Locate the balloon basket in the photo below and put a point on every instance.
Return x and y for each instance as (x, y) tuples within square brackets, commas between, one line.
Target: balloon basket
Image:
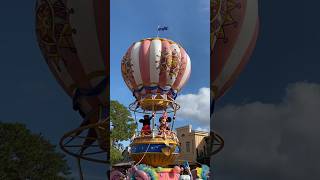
[(156, 149), (75, 142), (155, 103)]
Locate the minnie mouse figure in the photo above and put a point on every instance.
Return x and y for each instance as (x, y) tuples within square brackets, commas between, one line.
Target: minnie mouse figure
[(146, 129), (164, 122)]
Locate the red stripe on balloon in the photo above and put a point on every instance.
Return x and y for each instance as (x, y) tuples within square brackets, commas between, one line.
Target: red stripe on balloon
[(144, 62)]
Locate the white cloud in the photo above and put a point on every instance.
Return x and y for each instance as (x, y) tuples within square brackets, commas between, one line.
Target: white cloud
[(202, 129), (275, 141), (195, 107)]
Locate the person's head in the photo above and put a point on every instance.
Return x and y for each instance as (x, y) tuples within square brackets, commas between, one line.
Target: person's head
[(146, 116), (182, 169)]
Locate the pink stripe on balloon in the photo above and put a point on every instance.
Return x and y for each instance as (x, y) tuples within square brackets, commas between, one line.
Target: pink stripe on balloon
[(163, 71), (182, 69), (144, 62)]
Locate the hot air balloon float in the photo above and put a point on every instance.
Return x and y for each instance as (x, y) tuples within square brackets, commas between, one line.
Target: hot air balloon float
[(72, 37), (234, 31), (155, 70)]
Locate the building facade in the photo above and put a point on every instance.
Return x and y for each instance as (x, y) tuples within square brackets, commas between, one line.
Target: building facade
[(193, 143)]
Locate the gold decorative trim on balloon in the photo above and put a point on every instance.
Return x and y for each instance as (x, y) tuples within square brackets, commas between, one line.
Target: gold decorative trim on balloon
[(154, 103), (155, 140), (155, 159)]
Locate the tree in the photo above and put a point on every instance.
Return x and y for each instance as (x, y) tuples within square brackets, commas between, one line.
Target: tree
[(123, 127), (24, 155)]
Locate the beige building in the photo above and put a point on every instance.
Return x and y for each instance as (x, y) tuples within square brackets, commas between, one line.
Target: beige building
[(192, 143)]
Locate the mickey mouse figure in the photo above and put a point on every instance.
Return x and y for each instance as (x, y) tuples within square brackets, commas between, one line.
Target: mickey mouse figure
[(146, 129)]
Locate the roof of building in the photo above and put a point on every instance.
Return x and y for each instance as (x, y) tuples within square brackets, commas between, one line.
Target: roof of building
[(189, 126)]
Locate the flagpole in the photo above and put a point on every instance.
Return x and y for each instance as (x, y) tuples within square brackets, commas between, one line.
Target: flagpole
[(158, 31)]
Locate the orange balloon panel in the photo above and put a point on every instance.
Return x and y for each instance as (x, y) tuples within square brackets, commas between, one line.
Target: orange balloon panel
[(72, 38), (234, 43)]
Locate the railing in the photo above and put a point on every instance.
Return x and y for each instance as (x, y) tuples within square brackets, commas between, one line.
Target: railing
[(167, 134)]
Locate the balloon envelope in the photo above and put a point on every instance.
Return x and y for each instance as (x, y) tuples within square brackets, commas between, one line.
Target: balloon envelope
[(155, 66), (234, 44)]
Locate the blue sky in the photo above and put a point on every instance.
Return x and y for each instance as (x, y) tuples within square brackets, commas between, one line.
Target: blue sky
[(189, 25)]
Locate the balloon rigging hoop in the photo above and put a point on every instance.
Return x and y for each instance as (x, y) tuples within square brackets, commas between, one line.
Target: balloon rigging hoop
[(154, 105), (72, 143), (216, 143)]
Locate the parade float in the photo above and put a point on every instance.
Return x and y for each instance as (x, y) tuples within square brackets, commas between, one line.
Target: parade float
[(155, 70)]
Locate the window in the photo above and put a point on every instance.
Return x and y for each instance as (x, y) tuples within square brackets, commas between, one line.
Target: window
[(188, 146)]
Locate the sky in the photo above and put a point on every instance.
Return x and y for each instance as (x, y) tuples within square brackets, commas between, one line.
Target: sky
[(269, 118)]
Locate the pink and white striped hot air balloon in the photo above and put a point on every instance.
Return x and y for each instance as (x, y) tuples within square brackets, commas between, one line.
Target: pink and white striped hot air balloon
[(72, 35), (234, 44), (155, 68)]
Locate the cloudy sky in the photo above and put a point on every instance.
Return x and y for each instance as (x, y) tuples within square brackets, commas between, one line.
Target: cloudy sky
[(269, 119)]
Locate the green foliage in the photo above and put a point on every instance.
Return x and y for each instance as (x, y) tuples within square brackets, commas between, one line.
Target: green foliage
[(116, 155), (123, 126), (24, 155)]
